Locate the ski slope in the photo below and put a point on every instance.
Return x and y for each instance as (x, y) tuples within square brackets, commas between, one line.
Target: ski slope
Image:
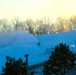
[(17, 44)]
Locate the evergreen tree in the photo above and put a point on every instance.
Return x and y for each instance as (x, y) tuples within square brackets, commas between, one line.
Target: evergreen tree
[(14, 67), (60, 61)]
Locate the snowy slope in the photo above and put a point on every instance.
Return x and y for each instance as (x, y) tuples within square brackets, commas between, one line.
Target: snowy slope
[(36, 55), (17, 44), (20, 43), (52, 40), (17, 38)]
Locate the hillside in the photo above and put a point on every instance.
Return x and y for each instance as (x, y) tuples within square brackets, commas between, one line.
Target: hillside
[(52, 40), (17, 38), (17, 44)]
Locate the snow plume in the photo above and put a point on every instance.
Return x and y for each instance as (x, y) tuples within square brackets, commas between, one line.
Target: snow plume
[(17, 38)]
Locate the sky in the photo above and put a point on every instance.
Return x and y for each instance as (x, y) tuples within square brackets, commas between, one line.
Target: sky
[(37, 9)]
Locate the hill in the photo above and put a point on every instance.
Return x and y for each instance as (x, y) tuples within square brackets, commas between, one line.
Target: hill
[(52, 40), (17, 38), (17, 44)]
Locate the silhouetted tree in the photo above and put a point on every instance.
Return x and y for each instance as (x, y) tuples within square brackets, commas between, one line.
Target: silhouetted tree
[(14, 67), (60, 61)]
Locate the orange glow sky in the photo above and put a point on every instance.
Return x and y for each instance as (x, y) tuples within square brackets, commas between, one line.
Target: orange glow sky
[(36, 8)]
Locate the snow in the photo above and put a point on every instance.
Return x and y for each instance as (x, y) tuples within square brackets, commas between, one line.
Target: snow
[(52, 40), (17, 44), (35, 54), (17, 38), (24, 43)]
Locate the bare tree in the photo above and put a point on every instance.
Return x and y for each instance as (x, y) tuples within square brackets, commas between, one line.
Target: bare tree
[(73, 21)]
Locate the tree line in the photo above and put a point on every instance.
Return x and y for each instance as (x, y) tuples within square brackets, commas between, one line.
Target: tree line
[(39, 26)]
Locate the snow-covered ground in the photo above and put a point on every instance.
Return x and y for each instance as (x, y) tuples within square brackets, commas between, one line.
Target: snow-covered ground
[(17, 38), (52, 40), (17, 44)]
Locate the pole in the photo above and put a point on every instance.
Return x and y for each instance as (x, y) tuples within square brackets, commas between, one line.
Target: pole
[(26, 63)]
